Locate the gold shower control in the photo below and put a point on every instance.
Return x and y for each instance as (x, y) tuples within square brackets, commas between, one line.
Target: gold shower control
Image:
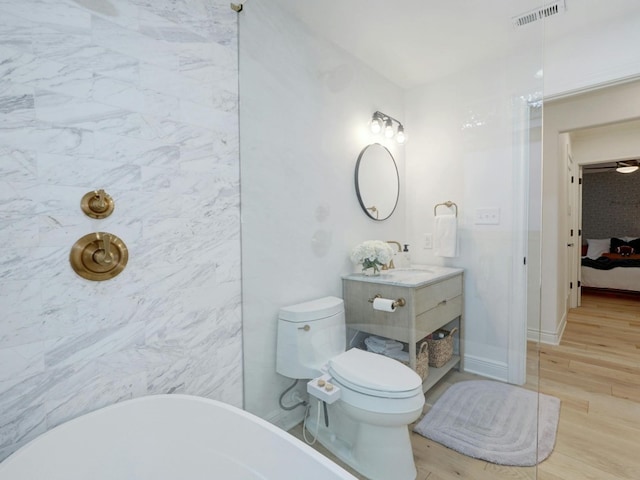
[(97, 204), (99, 256)]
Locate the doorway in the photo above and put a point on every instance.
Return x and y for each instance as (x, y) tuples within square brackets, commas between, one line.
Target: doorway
[(600, 203), (602, 125)]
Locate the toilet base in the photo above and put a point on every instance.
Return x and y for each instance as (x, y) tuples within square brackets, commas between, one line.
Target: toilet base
[(377, 452)]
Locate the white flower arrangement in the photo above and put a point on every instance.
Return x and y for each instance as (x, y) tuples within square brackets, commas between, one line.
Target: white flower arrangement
[(372, 254)]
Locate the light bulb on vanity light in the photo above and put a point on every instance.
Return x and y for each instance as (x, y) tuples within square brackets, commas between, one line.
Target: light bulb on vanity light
[(400, 138), (388, 129), (376, 124)]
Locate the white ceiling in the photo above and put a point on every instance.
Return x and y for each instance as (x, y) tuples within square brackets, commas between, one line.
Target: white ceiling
[(412, 42)]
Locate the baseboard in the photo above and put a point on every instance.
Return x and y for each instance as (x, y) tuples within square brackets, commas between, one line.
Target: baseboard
[(550, 338), (486, 368), (286, 420)]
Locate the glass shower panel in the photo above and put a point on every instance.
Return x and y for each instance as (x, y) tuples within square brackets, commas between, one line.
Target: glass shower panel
[(473, 138), (304, 110)]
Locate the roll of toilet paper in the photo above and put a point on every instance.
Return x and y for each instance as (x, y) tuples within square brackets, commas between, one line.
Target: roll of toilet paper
[(383, 304)]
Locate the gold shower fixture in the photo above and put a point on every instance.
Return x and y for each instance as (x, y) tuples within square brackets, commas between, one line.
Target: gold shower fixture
[(97, 204), (99, 256)]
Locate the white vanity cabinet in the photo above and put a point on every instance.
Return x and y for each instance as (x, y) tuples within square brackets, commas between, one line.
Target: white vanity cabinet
[(433, 299)]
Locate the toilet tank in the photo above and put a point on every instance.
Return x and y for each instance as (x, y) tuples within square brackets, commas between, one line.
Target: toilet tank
[(309, 334)]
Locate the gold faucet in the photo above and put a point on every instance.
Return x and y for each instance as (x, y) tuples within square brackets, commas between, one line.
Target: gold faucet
[(391, 265)]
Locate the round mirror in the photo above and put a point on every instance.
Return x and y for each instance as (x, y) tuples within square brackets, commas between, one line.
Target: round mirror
[(377, 181)]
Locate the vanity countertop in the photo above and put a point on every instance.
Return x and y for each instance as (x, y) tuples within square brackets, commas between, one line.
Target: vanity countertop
[(414, 276)]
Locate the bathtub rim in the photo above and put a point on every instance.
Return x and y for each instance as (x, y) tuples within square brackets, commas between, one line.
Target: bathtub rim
[(295, 442)]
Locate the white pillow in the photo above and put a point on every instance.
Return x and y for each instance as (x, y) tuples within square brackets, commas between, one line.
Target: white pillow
[(597, 247)]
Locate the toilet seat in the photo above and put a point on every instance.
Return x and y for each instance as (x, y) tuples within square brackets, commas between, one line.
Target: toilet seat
[(375, 375)]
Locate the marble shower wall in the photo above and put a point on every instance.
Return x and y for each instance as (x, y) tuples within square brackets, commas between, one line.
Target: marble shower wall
[(138, 97)]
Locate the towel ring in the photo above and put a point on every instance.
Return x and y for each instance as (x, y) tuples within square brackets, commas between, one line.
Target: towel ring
[(448, 204)]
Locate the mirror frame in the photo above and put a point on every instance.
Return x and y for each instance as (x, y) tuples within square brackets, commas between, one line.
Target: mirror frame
[(358, 193)]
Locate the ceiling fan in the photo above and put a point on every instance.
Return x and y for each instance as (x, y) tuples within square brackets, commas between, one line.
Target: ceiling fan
[(626, 166)]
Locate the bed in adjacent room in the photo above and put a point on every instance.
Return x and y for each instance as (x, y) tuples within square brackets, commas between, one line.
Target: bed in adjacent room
[(612, 263)]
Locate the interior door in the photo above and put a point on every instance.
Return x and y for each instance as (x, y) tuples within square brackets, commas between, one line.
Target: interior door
[(578, 255), (572, 232)]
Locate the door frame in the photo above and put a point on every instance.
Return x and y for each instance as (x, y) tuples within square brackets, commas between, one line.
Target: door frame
[(518, 301)]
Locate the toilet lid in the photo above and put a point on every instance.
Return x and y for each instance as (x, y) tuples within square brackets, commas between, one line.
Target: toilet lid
[(374, 374)]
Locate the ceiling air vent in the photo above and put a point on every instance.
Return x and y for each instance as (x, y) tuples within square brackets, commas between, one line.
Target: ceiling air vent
[(539, 13)]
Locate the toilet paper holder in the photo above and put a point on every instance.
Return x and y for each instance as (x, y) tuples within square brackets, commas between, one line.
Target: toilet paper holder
[(400, 302)]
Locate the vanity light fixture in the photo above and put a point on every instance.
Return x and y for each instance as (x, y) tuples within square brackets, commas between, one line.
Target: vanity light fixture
[(379, 119), (627, 167)]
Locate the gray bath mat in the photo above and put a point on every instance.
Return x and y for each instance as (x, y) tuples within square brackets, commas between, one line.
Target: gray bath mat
[(494, 421)]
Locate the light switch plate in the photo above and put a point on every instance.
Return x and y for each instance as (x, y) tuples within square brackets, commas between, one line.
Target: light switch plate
[(487, 216), (428, 241)]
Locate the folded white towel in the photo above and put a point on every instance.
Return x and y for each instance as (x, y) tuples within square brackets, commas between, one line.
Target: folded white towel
[(395, 353), (383, 342), (446, 236), (384, 350)]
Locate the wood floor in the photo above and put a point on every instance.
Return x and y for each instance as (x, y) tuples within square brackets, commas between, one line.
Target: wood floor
[(595, 371)]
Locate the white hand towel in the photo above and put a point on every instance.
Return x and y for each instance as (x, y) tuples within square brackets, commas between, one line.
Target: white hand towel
[(446, 236)]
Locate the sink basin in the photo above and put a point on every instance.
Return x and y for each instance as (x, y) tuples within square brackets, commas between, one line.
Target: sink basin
[(410, 269), (412, 276)]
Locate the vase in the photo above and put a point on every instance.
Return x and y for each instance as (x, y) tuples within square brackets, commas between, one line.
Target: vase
[(371, 272)]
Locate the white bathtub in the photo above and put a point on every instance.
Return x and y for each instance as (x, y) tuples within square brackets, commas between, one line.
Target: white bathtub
[(166, 437)]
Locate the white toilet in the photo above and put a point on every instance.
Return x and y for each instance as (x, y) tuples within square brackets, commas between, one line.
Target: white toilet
[(378, 397)]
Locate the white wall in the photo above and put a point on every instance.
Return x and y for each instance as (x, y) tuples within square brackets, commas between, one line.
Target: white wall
[(620, 141), (304, 109), (597, 54), (138, 98)]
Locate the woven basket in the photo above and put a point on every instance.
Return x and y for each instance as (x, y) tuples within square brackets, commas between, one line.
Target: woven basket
[(422, 361), (440, 349)]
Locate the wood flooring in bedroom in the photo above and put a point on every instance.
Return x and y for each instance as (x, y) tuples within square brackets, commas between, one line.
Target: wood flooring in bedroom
[(595, 371)]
